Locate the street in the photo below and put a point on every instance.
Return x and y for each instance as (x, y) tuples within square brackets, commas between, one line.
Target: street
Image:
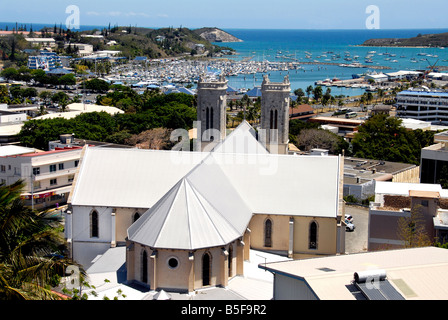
[(356, 241)]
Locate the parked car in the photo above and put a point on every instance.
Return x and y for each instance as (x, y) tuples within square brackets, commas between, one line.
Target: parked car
[(349, 226), (349, 218)]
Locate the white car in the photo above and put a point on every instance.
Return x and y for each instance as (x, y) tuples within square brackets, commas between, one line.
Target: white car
[(349, 218), (349, 226)]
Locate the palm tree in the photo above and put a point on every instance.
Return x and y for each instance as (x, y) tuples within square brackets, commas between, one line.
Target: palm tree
[(30, 249)]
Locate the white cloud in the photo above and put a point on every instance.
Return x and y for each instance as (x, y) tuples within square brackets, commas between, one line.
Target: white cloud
[(162, 15), (114, 13)]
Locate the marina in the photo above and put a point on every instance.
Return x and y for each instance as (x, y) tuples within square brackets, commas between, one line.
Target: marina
[(278, 53)]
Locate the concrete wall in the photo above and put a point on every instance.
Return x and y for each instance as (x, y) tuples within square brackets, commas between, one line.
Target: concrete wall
[(85, 247), (187, 276), (297, 243)]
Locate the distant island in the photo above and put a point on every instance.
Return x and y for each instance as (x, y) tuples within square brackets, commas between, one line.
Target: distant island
[(421, 40), (216, 35)]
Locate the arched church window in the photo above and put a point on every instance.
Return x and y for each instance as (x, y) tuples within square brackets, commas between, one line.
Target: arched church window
[(94, 224), (313, 235), (135, 217), (268, 233)]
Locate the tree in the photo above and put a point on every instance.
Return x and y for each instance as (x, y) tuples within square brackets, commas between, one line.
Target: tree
[(317, 92), (155, 139), (384, 138), (412, 231), (323, 139), (10, 73), (300, 94), (31, 249), (309, 90)]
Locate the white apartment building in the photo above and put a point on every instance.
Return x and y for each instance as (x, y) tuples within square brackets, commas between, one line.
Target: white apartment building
[(48, 174), (423, 105)]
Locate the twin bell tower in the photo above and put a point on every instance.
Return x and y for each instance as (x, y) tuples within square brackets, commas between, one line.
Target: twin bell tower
[(274, 121)]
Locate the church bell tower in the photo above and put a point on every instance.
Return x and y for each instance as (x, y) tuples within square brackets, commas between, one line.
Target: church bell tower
[(275, 99), (211, 110)]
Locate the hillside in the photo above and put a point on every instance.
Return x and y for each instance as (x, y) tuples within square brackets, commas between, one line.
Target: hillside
[(152, 43), (216, 35), (421, 40)]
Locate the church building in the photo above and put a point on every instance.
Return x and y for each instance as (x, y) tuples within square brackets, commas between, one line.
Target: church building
[(189, 219)]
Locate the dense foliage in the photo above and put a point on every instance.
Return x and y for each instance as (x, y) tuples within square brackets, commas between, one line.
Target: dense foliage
[(31, 248), (384, 138), (170, 111)]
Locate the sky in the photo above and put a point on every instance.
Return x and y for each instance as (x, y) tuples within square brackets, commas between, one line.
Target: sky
[(236, 14)]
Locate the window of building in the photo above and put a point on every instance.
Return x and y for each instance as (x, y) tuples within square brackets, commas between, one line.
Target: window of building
[(173, 263), (36, 171), (76, 163), (425, 203), (268, 233), (53, 182), (2, 168), (135, 217), (52, 167), (61, 166), (313, 235), (71, 178), (94, 224)]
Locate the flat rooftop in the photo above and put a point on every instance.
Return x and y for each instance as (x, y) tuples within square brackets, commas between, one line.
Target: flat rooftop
[(416, 273)]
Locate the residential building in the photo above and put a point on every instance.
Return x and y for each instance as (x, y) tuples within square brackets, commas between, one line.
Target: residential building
[(19, 109), (43, 42), (48, 175), (8, 117), (405, 274), (45, 60), (395, 201), (83, 49), (423, 105), (301, 112)]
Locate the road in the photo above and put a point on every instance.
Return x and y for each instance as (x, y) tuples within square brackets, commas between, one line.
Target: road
[(356, 241)]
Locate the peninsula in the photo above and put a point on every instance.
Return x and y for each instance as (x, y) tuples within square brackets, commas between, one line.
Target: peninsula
[(216, 35), (421, 40)]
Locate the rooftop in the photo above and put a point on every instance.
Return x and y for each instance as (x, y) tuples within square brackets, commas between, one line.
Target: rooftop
[(12, 150), (416, 273)]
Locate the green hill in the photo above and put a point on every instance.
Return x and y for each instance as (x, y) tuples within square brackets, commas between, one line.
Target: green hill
[(421, 40)]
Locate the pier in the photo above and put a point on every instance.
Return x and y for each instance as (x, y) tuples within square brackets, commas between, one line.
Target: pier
[(352, 65)]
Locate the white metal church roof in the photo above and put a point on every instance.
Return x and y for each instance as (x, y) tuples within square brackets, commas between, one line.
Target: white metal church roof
[(196, 213), (200, 199)]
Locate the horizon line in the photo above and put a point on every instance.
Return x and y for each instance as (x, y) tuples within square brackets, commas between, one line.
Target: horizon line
[(234, 28)]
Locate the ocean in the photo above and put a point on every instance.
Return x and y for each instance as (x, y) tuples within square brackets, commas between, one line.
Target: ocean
[(325, 46)]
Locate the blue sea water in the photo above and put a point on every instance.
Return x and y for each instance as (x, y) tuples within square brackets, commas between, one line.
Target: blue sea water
[(271, 44)]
